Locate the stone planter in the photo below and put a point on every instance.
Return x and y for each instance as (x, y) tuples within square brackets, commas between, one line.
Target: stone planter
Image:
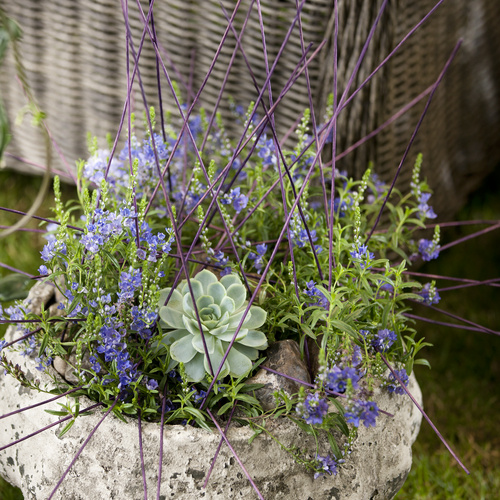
[(109, 466)]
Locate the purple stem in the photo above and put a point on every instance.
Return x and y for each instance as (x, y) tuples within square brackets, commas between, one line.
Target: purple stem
[(60, 173), (403, 386), (11, 210), (391, 54), (24, 337), (443, 323), (492, 282), (459, 318), (60, 421), (254, 486), (141, 453), (162, 424), (330, 217), (392, 119), (89, 437), (26, 229), (471, 236), (412, 138), (18, 271), (212, 464), (20, 410)]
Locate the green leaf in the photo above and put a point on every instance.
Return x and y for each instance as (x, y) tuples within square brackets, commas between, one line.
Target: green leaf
[(334, 446), (256, 318), (423, 362), (225, 408), (303, 425), (66, 428)]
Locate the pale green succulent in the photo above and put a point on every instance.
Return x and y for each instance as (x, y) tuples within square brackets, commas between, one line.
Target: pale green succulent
[(220, 306)]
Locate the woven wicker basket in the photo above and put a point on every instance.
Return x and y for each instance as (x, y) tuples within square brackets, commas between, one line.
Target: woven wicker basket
[(74, 53)]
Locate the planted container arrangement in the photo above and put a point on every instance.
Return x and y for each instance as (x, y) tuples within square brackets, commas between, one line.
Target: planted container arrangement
[(220, 317)]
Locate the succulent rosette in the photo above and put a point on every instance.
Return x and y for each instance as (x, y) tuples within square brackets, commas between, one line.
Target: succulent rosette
[(220, 306)]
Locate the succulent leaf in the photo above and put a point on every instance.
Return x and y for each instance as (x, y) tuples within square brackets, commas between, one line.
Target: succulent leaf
[(218, 307)]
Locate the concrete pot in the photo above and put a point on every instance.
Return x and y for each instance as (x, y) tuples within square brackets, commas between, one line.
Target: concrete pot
[(109, 466)]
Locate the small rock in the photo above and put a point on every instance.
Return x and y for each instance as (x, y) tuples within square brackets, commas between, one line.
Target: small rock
[(284, 357), (59, 365)]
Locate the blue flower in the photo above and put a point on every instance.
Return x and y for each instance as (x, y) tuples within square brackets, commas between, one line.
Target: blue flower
[(266, 150), (258, 258), (424, 210), (3, 343), (48, 251), (384, 340), (94, 364), (393, 384), (336, 378), (199, 396), (313, 409), (327, 465), (313, 292), (366, 411), (43, 362), (429, 294), (152, 384), (43, 270), (129, 283), (428, 249), (362, 255)]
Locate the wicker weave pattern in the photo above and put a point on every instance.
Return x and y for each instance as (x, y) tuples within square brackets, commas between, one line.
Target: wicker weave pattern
[(74, 52)]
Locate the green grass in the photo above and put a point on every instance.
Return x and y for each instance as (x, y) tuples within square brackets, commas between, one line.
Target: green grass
[(460, 391)]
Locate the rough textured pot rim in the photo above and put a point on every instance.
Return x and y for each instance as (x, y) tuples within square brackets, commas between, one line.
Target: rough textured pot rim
[(109, 466)]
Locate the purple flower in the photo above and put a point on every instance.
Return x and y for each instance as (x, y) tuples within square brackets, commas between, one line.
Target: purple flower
[(152, 384), (336, 378), (313, 409), (258, 257), (129, 283), (94, 364), (3, 343), (313, 292), (394, 385), (429, 294), (428, 249), (43, 270), (366, 411), (199, 396), (266, 150), (424, 210), (384, 340), (362, 255), (48, 251), (327, 465)]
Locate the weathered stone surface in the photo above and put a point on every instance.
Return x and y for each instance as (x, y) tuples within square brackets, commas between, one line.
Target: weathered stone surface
[(284, 357), (109, 467)]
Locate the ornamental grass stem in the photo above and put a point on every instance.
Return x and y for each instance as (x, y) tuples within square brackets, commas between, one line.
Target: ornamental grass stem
[(162, 424), (463, 320), (254, 486), (217, 451), (434, 428), (141, 453), (414, 133), (36, 405), (89, 437), (60, 421), (451, 325)]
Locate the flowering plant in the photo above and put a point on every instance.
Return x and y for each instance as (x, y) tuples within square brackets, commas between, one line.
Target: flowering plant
[(134, 337)]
